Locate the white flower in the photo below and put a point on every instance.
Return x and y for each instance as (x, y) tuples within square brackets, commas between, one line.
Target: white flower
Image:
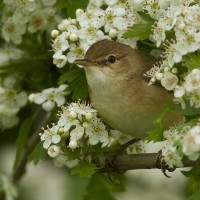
[(97, 132), (171, 156), (90, 33), (50, 96), (37, 21), (7, 119), (75, 52), (21, 5), (195, 99), (60, 61), (73, 144), (54, 33), (60, 44), (90, 17), (67, 122), (13, 30), (76, 133), (81, 108), (187, 40), (190, 140), (170, 134), (169, 81), (53, 151), (158, 33), (92, 4), (9, 54), (8, 188), (192, 80), (137, 147), (120, 137), (172, 54), (110, 2), (113, 33), (50, 135), (179, 91), (12, 97)]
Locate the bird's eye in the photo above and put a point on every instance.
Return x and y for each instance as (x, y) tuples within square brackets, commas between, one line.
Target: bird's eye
[(111, 59)]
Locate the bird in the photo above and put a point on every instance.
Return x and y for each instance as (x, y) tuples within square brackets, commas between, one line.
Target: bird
[(119, 91)]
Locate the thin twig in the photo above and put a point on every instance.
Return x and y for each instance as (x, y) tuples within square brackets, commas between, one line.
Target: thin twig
[(30, 145)]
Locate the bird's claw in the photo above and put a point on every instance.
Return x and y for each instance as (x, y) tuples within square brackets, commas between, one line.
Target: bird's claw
[(161, 164)]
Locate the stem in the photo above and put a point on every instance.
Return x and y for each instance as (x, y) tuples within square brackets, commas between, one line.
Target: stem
[(29, 147), (121, 163)]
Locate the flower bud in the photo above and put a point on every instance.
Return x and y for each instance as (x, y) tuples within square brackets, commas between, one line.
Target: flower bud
[(53, 151), (174, 70), (54, 34), (89, 116), (73, 144), (113, 33), (73, 114), (73, 37), (159, 76)]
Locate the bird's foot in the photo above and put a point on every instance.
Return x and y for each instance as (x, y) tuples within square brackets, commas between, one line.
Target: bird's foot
[(161, 164), (110, 165)]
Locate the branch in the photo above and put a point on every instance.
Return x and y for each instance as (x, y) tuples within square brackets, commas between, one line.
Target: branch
[(29, 147), (121, 163)]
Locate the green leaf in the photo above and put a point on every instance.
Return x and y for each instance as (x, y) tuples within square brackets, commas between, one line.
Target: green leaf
[(194, 181), (84, 169), (72, 154), (71, 6), (142, 30), (77, 83), (79, 88), (36, 154), (100, 187), (23, 134), (195, 196), (69, 76), (193, 61), (146, 18), (189, 111), (157, 133)]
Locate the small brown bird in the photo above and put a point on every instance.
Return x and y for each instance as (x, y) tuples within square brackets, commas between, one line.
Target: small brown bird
[(119, 90)]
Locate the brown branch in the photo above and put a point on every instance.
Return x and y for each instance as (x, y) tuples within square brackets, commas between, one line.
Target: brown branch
[(121, 163), (29, 147)]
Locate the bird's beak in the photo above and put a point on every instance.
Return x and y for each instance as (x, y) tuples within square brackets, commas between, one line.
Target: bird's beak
[(84, 62)]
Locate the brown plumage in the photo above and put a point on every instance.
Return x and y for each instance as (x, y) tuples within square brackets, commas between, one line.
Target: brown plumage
[(119, 91)]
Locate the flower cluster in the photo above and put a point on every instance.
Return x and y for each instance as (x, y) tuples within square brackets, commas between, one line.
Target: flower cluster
[(182, 142), (9, 54), (8, 187), (31, 15), (181, 18), (189, 90), (165, 75), (102, 19), (78, 129), (50, 97), (12, 99)]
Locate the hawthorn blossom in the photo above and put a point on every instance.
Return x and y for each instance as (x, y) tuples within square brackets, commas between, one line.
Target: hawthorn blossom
[(50, 97)]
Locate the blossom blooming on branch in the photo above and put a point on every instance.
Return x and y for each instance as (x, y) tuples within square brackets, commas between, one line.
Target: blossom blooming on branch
[(31, 15), (78, 129), (189, 90), (12, 99), (50, 97), (101, 20)]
